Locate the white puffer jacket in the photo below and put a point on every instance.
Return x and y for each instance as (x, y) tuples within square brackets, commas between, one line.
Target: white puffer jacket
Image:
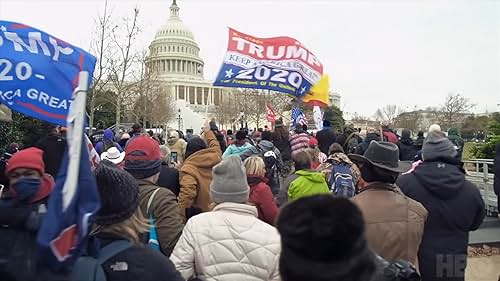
[(230, 243)]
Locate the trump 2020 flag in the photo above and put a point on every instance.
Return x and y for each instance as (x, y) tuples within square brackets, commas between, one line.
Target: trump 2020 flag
[(75, 200), (281, 64), (38, 72)]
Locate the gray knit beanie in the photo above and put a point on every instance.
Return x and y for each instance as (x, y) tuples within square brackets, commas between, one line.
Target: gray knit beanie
[(229, 183), (438, 147)]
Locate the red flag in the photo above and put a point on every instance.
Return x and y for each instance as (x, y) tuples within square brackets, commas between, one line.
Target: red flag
[(271, 116)]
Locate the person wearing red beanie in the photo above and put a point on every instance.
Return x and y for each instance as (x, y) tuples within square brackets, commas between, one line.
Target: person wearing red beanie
[(22, 211), (27, 177)]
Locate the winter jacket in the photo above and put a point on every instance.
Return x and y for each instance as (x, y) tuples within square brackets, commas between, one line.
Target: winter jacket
[(340, 158), (178, 146), (325, 138), (230, 243), (53, 147), (164, 212), (169, 178), (262, 197), (298, 143), (362, 147), (139, 262), (454, 137), (407, 149), (234, 149), (283, 145), (306, 184), (394, 222), (262, 147), (390, 136), (455, 207), (107, 142), (196, 176)]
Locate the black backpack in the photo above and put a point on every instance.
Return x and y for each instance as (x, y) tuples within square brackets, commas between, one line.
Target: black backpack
[(270, 161)]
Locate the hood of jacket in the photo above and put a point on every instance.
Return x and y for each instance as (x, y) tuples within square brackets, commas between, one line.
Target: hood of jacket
[(441, 179), (311, 175), (407, 141), (266, 145), (453, 132), (370, 137), (205, 158), (254, 180), (108, 135)]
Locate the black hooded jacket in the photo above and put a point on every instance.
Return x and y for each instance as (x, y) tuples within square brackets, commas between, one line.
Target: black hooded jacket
[(407, 149), (325, 138), (361, 148), (455, 207)]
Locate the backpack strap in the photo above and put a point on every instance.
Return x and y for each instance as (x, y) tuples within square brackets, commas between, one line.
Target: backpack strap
[(112, 249), (151, 200)]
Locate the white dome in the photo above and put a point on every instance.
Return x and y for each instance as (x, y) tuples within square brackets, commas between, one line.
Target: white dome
[(174, 52), (174, 28)]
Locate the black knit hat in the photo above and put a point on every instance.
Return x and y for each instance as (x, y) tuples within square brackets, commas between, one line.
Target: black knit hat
[(323, 239), (119, 194), (194, 145)]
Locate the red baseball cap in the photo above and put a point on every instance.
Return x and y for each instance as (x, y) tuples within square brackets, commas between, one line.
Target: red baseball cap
[(142, 148), (313, 142)]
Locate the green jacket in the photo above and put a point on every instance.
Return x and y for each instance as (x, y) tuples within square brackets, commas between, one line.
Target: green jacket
[(306, 184)]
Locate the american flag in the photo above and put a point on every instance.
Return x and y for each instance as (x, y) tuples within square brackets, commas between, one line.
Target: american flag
[(298, 117)]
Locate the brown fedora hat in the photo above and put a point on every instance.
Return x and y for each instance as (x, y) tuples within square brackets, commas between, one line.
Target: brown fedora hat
[(384, 155)]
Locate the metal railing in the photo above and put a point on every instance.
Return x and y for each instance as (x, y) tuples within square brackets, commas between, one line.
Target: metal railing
[(478, 173)]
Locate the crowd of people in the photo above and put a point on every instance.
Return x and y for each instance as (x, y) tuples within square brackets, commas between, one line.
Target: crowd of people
[(340, 204)]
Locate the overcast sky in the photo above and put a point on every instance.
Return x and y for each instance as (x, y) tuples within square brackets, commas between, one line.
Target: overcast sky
[(411, 53)]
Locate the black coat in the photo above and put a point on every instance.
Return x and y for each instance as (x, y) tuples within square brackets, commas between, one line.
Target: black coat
[(283, 145), (143, 263), (361, 148), (169, 178), (407, 150), (325, 138), (455, 207), (53, 147)]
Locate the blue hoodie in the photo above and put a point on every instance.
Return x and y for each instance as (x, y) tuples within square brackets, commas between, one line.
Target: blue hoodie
[(107, 140)]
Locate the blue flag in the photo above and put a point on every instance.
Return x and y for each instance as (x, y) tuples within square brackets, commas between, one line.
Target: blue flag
[(298, 117), (38, 72), (71, 209)]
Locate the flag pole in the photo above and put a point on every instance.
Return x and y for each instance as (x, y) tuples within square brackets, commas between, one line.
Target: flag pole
[(75, 124)]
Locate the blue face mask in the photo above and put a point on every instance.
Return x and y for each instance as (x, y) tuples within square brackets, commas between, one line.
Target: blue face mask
[(26, 188)]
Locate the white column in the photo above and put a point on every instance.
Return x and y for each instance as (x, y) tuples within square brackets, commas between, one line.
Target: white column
[(195, 95), (203, 96), (210, 96), (184, 90)]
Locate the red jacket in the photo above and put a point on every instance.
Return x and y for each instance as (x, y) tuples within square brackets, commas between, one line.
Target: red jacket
[(262, 197)]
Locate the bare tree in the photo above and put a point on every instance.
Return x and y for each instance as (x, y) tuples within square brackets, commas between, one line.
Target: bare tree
[(122, 64), (454, 110), (100, 48), (409, 120), (387, 114), (153, 101)]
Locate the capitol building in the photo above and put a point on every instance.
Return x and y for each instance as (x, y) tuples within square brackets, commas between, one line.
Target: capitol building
[(174, 57)]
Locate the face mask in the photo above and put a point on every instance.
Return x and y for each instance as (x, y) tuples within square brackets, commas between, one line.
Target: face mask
[(26, 188)]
